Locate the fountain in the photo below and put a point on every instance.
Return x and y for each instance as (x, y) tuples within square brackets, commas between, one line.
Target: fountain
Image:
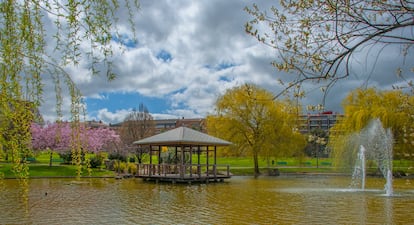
[(358, 176), (376, 145)]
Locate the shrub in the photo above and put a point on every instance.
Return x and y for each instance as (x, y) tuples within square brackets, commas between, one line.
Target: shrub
[(67, 157), (95, 162), (117, 156), (120, 166), (132, 168)]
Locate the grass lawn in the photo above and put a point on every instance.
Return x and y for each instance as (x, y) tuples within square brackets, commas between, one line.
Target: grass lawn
[(43, 170), (238, 166)]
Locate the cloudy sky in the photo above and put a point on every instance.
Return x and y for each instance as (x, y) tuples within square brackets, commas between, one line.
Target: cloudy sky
[(187, 54)]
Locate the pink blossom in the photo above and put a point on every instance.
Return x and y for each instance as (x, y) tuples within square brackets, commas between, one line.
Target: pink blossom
[(59, 137)]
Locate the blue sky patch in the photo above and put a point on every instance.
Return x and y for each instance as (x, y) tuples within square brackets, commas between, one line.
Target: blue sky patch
[(125, 40), (164, 56), (226, 79), (221, 66), (119, 101)]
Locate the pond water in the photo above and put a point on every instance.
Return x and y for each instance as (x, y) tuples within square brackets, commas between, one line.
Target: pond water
[(239, 200)]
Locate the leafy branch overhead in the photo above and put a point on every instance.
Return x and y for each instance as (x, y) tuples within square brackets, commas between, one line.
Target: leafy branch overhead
[(320, 40)]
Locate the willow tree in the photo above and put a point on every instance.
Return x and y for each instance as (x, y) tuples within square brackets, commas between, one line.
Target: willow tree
[(41, 40), (317, 40), (261, 127), (393, 108)]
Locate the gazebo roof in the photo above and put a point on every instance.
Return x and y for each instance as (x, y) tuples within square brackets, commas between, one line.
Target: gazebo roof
[(183, 136)]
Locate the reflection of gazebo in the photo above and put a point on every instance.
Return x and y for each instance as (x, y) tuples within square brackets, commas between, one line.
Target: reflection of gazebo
[(172, 155)]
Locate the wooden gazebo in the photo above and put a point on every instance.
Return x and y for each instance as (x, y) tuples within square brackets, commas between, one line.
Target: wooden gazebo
[(175, 156)]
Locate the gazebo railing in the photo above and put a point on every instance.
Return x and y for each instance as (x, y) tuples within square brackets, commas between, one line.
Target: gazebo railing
[(185, 170)]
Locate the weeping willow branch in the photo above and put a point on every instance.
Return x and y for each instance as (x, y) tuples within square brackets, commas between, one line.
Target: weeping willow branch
[(26, 60)]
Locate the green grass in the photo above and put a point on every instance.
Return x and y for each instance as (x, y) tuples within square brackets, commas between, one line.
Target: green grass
[(289, 162), (44, 157), (238, 166), (42, 170)]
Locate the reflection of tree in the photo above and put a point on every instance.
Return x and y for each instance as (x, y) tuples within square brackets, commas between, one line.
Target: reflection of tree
[(136, 126)]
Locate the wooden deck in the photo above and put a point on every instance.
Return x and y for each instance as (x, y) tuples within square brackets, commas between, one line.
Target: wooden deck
[(194, 173)]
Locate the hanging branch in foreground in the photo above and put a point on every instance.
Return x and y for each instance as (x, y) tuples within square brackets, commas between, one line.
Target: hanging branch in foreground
[(41, 39)]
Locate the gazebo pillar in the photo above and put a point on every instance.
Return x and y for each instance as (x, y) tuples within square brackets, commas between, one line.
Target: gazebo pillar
[(182, 165), (176, 170), (207, 161), (198, 160), (159, 159), (150, 165), (191, 161), (215, 155)]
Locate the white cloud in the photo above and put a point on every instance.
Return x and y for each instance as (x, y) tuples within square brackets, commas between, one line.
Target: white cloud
[(199, 36), (105, 115)]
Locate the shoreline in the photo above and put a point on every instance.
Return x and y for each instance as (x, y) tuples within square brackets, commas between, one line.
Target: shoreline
[(283, 174)]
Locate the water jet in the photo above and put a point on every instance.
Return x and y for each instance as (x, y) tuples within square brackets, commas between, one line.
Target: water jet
[(375, 144)]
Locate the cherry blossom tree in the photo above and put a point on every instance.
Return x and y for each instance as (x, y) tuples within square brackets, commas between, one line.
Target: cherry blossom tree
[(59, 137)]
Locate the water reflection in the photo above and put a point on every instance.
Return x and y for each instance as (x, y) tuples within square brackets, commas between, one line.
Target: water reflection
[(240, 200)]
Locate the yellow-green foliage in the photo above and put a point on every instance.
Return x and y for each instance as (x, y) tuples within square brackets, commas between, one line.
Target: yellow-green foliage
[(122, 167), (26, 61), (393, 108), (132, 168), (255, 123)]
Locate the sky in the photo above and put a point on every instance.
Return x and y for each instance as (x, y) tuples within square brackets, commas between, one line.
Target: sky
[(187, 54)]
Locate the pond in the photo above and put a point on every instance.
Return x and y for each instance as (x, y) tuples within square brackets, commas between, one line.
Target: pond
[(239, 200)]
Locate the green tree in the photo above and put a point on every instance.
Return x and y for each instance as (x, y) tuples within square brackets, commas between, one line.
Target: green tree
[(257, 125), (394, 109), (40, 40), (317, 39)]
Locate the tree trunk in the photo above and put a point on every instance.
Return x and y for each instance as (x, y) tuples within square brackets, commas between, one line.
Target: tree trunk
[(256, 163), (50, 158)]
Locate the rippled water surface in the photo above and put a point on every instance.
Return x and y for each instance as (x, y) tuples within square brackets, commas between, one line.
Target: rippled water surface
[(239, 200)]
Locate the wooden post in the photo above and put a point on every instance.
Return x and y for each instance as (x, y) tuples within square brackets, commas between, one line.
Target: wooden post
[(159, 160), (150, 165), (207, 161), (215, 161), (228, 170), (182, 168), (198, 161), (191, 161), (215, 155)]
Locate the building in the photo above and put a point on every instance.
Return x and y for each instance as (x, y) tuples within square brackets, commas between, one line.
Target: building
[(307, 123), (324, 121), (168, 124)]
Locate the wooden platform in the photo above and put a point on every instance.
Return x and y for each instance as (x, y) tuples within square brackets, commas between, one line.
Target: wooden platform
[(186, 179), (189, 174)]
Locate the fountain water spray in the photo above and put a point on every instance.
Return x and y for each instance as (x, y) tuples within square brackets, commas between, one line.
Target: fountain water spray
[(375, 144), (358, 176)]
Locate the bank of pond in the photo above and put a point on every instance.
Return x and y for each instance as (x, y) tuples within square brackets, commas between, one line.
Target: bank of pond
[(45, 164), (129, 169)]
